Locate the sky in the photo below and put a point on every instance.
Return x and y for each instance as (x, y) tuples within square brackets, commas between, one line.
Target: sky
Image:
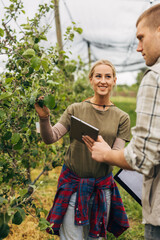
[(109, 25)]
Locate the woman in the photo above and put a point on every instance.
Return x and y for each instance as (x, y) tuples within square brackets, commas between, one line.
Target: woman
[(87, 202)]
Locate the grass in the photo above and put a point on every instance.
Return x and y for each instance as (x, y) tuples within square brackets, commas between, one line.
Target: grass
[(128, 105), (29, 230)]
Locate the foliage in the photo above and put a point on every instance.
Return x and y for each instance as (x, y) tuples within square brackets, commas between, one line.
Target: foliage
[(82, 87), (30, 71), (125, 90), (140, 76)]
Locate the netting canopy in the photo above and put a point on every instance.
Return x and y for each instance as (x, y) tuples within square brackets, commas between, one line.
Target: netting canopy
[(109, 29)]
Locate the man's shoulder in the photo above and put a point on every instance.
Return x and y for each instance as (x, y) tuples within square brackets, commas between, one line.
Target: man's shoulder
[(156, 67), (153, 70), (150, 78)]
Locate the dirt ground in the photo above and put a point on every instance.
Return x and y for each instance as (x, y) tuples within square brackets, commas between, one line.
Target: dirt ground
[(29, 230)]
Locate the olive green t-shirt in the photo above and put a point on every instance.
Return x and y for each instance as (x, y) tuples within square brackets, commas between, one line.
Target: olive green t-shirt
[(111, 123)]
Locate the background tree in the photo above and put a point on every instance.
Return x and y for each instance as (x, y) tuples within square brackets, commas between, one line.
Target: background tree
[(140, 75), (31, 70)]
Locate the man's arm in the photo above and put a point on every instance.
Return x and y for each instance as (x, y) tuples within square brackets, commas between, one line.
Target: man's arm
[(101, 152)]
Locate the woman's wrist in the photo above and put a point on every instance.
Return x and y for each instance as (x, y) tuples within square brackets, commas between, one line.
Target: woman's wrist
[(44, 117)]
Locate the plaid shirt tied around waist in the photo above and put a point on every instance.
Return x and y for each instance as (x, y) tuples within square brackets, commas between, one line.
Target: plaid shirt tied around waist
[(69, 183)]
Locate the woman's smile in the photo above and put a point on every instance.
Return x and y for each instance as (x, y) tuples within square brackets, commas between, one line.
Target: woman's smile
[(103, 87)]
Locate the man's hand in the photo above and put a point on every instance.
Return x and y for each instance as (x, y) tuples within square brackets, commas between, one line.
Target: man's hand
[(98, 149), (101, 152)]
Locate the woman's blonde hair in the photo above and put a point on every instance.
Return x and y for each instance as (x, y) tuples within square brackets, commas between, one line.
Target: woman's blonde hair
[(101, 62), (151, 16)]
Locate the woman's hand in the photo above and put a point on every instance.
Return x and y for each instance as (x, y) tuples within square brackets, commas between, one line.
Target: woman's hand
[(43, 112)]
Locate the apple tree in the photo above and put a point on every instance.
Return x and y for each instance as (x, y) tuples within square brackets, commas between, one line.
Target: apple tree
[(31, 70)]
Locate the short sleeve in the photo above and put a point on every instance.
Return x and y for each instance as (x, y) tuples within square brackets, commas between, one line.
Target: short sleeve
[(65, 119), (124, 128)]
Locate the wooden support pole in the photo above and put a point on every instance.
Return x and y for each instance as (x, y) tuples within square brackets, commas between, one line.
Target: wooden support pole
[(89, 53), (58, 24)]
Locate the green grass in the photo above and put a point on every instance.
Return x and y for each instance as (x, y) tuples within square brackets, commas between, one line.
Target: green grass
[(128, 105)]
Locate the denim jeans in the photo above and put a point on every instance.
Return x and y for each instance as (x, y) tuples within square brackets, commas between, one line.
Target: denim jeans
[(69, 231), (152, 232)]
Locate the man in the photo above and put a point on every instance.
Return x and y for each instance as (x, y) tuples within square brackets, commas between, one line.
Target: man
[(143, 152)]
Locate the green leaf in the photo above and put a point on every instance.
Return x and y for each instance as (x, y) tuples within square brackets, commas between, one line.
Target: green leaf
[(36, 46), (45, 64), (35, 152), (40, 102), (11, 7), (22, 212), (1, 177), (4, 231), (70, 68), (35, 63), (32, 100), (1, 32), (29, 53), (2, 113), (69, 29), (53, 149), (49, 101), (7, 135), (31, 70), (52, 83), (26, 26), (78, 30), (22, 192), (42, 37), (5, 95), (71, 36), (43, 224), (28, 132), (3, 201), (1, 218), (8, 80), (17, 218), (19, 145), (4, 218), (15, 138)]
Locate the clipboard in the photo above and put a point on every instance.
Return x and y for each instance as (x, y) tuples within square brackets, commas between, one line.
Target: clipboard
[(80, 128), (132, 182)]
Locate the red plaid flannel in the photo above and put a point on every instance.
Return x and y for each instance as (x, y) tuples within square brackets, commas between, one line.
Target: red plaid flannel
[(69, 183)]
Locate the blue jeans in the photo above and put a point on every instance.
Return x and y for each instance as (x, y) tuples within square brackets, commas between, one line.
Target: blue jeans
[(69, 231), (152, 232)]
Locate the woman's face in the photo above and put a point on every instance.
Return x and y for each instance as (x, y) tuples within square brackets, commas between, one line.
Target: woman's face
[(102, 80)]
